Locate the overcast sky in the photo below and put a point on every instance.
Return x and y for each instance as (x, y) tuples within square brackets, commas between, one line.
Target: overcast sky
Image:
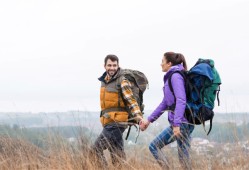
[(52, 52)]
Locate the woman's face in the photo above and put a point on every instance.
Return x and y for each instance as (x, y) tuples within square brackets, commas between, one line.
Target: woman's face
[(165, 65)]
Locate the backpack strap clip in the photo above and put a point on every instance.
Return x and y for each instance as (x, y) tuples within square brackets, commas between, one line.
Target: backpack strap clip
[(129, 129)]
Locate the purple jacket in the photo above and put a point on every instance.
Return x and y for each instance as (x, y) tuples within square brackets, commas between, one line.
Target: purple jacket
[(177, 117)]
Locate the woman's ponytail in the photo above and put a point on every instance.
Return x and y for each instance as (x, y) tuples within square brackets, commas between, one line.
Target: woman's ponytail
[(176, 58)]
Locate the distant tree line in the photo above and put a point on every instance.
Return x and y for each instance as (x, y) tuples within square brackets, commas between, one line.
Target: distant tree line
[(221, 133)]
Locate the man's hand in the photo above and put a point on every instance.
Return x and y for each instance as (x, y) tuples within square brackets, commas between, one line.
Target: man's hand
[(138, 118)]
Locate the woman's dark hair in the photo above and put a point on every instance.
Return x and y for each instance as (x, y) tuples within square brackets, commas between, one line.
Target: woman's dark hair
[(111, 57), (176, 58)]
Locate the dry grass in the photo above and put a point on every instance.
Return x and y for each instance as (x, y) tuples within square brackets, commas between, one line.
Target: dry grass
[(18, 154), (60, 155)]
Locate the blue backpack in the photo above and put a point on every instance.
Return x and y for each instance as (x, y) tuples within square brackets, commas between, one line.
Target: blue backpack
[(202, 85)]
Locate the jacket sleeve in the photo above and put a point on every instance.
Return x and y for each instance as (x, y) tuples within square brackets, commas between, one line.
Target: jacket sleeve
[(178, 86), (159, 110)]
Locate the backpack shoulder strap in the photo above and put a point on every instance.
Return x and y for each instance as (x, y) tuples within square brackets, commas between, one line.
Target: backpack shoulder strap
[(169, 80), (172, 107)]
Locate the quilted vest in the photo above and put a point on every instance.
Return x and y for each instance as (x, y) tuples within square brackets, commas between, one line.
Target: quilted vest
[(112, 106)]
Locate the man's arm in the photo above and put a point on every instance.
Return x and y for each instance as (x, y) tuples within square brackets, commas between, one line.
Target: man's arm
[(130, 99)]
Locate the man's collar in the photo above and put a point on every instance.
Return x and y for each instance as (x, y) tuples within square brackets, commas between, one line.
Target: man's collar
[(104, 76)]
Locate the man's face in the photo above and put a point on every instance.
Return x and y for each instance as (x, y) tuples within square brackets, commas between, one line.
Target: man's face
[(111, 67)]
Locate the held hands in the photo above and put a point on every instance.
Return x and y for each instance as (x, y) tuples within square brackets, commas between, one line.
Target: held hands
[(143, 124)]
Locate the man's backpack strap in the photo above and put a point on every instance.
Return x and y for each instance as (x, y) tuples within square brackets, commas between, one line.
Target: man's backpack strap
[(129, 129), (128, 133)]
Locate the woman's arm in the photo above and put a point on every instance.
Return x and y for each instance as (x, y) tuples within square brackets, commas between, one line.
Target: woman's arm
[(178, 86), (158, 111)]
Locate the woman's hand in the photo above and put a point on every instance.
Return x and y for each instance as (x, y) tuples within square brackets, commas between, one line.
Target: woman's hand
[(176, 131)]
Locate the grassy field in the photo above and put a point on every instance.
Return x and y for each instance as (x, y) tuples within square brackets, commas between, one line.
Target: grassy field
[(59, 154), (67, 147)]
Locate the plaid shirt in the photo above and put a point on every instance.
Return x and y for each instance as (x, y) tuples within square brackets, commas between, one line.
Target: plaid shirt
[(128, 96), (130, 100)]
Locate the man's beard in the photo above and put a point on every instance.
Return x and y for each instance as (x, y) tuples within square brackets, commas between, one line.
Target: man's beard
[(112, 71)]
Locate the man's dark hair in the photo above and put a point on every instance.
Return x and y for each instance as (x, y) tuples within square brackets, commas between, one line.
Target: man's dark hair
[(111, 57)]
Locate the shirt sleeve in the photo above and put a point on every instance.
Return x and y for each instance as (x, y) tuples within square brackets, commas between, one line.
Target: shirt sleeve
[(130, 99)]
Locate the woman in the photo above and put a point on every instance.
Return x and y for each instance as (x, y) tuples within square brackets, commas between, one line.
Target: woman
[(179, 128)]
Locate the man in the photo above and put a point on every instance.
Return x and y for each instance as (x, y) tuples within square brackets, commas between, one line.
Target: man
[(116, 101)]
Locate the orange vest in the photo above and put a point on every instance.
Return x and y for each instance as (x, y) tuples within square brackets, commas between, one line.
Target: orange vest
[(112, 105)]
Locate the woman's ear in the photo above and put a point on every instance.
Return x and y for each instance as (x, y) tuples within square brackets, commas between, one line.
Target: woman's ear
[(169, 63)]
